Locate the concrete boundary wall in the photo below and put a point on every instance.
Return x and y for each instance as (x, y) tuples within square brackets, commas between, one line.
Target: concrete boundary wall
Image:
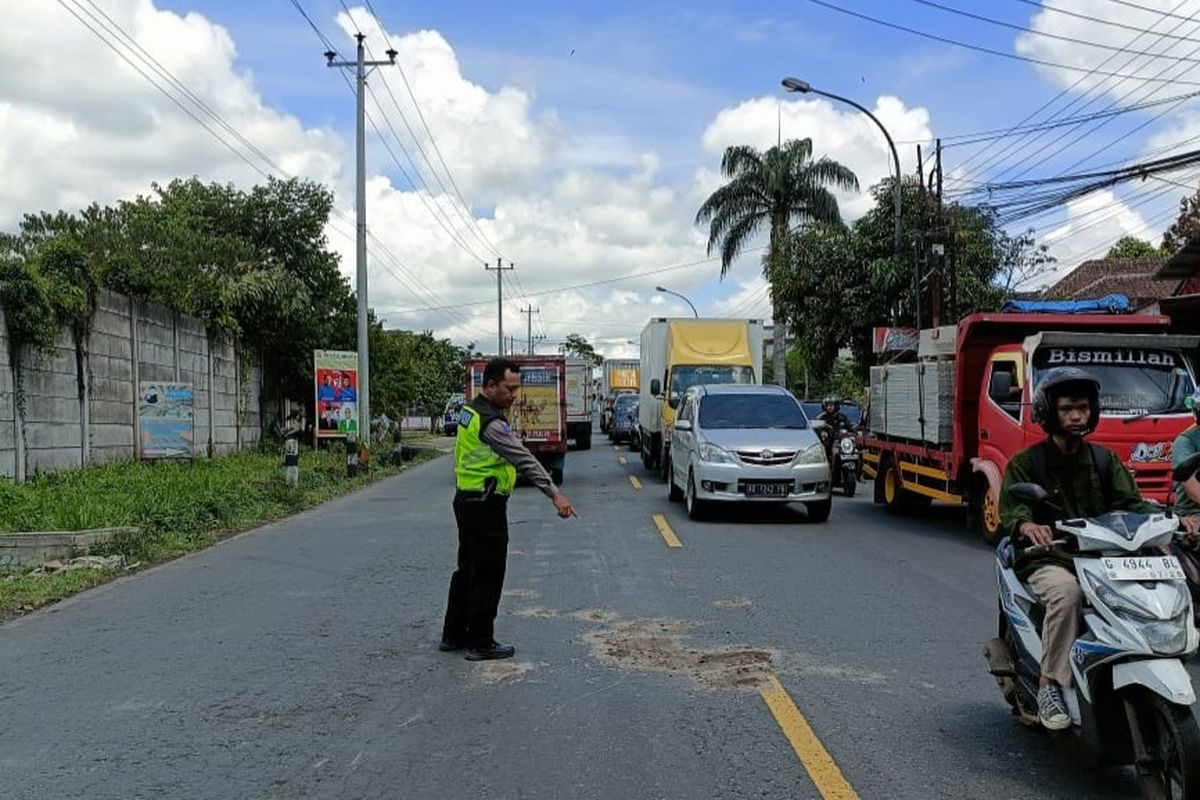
[(81, 404)]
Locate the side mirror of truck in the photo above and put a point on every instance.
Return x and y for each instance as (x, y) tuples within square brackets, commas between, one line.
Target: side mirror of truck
[(683, 425), (1030, 493), (655, 387), (1187, 469)]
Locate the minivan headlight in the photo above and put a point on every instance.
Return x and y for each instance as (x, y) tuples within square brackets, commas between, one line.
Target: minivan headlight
[(813, 454), (716, 455)]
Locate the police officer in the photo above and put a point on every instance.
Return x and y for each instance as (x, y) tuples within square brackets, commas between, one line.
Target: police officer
[(487, 458)]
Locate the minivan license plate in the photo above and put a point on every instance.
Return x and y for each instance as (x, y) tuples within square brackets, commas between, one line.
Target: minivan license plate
[(1142, 568), (766, 489)]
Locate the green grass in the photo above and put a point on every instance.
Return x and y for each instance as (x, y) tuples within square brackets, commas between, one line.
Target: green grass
[(179, 507)]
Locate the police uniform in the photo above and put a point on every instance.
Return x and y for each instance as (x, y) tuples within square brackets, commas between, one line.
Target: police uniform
[(487, 458)]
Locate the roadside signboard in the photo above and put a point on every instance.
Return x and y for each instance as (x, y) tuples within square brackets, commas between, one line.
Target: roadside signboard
[(335, 392), (166, 420)]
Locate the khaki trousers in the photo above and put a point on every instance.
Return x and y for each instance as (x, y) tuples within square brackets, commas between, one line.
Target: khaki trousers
[(1059, 591)]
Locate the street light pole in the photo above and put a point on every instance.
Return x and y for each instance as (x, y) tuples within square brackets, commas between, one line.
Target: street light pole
[(695, 313), (804, 87)]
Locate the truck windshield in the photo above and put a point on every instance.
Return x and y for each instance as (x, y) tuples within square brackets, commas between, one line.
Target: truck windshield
[(1132, 381), (750, 411), (684, 377)]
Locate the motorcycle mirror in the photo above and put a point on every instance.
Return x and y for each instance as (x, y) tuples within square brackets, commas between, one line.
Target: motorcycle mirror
[(818, 424), (1187, 469), (1029, 492)]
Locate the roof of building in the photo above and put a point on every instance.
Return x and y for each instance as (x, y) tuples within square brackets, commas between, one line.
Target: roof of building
[(1136, 278), (1183, 264)]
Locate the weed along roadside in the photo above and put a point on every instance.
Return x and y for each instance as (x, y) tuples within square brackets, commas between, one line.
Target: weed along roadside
[(166, 509)]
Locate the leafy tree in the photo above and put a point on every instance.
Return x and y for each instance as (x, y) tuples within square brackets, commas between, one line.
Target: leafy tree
[(1185, 227), (413, 370), (1132, 247), (773, 190), (576, 345)]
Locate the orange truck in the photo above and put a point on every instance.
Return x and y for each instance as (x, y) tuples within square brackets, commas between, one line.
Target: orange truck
[(945, 427)]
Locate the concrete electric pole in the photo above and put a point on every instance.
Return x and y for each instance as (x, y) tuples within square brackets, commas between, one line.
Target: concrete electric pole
[(360, 228), (500, 269), (529, 312)]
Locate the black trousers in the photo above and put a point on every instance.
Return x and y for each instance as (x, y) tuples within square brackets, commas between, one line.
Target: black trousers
[(476, 584)]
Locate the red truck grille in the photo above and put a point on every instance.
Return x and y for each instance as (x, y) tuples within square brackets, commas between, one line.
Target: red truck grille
[(1153, 481)]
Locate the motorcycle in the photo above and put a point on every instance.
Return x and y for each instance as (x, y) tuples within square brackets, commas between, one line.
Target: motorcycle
[(1131, 699), (841, 448), (1189, 553)]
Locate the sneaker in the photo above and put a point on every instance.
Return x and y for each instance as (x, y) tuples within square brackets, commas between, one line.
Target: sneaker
[(1052, 709)]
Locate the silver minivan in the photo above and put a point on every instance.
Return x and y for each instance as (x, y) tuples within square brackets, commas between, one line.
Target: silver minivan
[(738, 443)]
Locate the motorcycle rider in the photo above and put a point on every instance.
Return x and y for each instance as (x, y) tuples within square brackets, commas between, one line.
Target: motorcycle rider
[(1187, 444), (831, 414), (1083, 479)]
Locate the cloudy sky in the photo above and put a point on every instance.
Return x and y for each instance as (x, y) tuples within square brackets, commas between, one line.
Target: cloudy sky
[(577, 140)]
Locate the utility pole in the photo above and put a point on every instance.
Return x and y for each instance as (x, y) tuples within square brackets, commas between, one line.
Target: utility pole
[(500, 270), (361, 69), (529, 311), (937, 276)]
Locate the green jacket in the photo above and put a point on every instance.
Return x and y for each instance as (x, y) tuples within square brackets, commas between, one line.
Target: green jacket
[(475, 462), (1186, 445), (1074, 484)]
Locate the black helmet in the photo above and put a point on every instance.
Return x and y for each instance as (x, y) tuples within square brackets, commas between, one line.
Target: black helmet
[(831, 401), (1059, 382)]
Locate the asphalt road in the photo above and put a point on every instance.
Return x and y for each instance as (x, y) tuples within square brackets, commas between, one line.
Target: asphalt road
[(765, 657)]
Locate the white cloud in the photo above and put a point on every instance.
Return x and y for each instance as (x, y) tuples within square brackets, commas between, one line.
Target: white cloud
[(1167, 41), (1092, 225)]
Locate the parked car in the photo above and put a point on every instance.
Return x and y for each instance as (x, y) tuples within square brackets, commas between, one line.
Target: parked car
[(624, 419), (450, 415), (746, 443)]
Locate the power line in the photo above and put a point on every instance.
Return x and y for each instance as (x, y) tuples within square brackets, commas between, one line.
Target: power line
[(1045, 34), (990, 51), (1045, 6)]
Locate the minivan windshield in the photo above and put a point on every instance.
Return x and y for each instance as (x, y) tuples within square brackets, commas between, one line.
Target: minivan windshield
[(1132, 381), (684, 377), (750, 411)]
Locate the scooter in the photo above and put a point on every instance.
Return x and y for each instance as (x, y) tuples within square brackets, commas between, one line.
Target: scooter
[(846, 449), (1189, 554), (1131, 699)]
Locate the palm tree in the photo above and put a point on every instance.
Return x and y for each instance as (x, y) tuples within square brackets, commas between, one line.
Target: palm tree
[(775, 189)]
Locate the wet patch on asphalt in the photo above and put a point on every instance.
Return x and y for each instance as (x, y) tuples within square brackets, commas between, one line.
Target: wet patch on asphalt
[(527, 594), (496, 671), (594, 615), (732, 602), (536, 613), (657, 645)]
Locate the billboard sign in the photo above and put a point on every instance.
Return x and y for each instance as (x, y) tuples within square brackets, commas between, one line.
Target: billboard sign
[(336, 392), (166, 420)]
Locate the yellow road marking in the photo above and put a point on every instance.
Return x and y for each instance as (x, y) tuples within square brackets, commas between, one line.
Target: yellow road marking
[(633, 480), (816, 759), (616, 447), (623, 460), (665, 529)]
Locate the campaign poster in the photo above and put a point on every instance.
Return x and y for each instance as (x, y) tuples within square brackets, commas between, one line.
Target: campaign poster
[(336, 377), (537, 405), (166, 420)]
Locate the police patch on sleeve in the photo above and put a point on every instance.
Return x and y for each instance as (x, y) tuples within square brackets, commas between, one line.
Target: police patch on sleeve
[(464, 419), (505, 427)]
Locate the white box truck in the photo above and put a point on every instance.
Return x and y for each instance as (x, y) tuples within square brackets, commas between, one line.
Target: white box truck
[(684, 352), (579, 402)]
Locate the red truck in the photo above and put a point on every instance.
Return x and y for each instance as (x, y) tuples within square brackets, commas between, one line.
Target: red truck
[(539, 414), (945, 427)]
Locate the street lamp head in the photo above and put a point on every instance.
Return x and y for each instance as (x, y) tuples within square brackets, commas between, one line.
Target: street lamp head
[(330, 56), (797, 85), (659, 289)]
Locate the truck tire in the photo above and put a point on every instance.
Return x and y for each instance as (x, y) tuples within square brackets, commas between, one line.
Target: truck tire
[(647, 450), (584, 442), (664, 458), (898, 500), (985, 510)]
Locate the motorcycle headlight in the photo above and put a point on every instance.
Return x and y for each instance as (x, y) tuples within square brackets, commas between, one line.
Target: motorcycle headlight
[(814, 454), (846, 445), (716, 455), (1167, 638), (1124, 606)]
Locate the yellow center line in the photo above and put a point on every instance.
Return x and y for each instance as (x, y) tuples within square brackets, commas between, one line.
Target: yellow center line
[(633, 480), (816, 759), (664, 528), (622, 460), (616, 447)]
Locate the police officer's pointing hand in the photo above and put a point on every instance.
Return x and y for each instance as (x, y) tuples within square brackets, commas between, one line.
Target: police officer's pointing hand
[(563, 506)]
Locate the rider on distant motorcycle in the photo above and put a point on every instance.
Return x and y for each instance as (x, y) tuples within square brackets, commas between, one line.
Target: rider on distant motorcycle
[(1083, 480), (832, 415)]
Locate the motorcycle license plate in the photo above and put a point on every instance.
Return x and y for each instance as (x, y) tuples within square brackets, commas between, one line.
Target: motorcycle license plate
[(1142, 568), (753, 489)]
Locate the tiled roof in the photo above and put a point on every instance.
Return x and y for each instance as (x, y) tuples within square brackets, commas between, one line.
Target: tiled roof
[(1132, 277)]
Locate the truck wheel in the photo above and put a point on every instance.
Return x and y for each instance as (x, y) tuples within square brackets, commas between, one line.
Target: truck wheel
[(986, 510), (647, 460), (899, 500), (584, 442), (663, 460)]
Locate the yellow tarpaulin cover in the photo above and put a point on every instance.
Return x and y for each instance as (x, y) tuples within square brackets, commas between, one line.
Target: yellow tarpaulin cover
[(709, 343)]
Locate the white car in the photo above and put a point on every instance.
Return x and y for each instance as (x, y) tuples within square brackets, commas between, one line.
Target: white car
[(740, 443)]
